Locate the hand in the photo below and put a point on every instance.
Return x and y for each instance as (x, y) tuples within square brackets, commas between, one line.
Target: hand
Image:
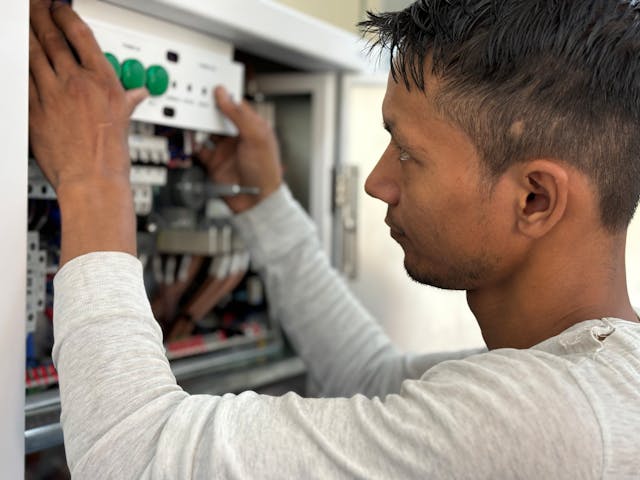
[(251, 159), (78, 111), (78, 128)]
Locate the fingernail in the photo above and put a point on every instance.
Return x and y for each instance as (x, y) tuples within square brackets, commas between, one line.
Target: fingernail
[(56, 4)]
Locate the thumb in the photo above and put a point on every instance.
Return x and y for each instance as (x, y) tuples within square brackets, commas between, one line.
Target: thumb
[(236, 112), (134, 98)]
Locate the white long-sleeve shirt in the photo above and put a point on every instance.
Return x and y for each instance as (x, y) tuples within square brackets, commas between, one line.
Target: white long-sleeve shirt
[(568, 408)]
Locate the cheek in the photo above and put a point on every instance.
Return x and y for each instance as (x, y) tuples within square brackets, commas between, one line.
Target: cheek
[(453, 221)]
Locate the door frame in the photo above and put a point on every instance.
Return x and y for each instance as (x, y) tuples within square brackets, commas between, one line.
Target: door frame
[(323, 91)]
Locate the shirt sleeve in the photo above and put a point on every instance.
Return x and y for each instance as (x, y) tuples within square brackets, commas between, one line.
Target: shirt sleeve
[(344, 348), (497, 415)]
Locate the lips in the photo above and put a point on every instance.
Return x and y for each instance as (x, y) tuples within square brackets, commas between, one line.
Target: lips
[(395, 231)]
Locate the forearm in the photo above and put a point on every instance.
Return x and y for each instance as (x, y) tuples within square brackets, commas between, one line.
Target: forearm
[(115, 381), (344, 348), (97, 216)]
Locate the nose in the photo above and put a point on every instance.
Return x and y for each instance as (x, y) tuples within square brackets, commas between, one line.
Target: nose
[(382, 182)]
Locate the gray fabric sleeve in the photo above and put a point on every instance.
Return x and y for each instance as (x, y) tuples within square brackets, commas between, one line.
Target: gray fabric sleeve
[(345, 350), (514, 414)]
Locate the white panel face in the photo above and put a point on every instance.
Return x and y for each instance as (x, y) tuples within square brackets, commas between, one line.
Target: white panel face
[(193, 74)]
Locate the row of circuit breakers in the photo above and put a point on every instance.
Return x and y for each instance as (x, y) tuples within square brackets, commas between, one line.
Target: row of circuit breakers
[(197, 270)]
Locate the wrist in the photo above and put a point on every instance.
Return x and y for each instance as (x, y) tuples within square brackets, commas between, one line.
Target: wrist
[(97, 215), (104, 188), (242, 203)]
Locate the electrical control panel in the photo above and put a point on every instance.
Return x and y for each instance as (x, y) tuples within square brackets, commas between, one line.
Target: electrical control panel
[(179, 77), (197, 271)]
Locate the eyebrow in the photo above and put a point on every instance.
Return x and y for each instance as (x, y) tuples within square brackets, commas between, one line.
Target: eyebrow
[(414, 150), (390, 127)]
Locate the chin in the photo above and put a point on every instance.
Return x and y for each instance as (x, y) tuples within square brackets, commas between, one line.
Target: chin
[(455, 277), (426, 278), (431, 281)]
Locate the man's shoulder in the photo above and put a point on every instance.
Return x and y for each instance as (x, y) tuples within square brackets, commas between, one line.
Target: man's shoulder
[(591, 370), (527, 400), (583, 348)]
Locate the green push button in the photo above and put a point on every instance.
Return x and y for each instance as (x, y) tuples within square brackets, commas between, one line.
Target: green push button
[(133, 74), (157, 80), (114, 62)]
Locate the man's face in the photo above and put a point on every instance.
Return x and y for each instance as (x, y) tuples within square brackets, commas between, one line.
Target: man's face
[(453, 227)]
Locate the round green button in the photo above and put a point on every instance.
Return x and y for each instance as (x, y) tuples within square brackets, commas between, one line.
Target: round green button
[(157, 80), (133, 74), (114, 62)]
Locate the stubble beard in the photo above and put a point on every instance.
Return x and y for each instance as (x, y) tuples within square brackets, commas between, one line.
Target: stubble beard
[(466, 275)]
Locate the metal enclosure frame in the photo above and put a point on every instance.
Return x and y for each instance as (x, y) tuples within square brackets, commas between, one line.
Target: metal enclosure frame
[(323, 89), (14, 44)]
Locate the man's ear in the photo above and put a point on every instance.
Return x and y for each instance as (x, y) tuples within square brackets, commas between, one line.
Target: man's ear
[(542, 194)]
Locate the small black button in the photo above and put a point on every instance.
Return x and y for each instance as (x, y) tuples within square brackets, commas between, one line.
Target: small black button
[(173, 56), (169, 112)]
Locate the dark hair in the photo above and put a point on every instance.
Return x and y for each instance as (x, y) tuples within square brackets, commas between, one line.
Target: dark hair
[(532, 79)]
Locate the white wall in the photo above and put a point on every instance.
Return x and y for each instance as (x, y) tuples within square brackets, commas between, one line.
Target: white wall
[(633, 261), (13, 254)]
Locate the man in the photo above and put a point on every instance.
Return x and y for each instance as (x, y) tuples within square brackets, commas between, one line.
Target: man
[(512, 172)]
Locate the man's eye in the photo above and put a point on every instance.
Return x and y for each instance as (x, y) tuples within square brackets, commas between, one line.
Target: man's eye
[(404, 156)]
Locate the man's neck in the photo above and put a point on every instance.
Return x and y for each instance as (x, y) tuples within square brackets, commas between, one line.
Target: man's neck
[(552, 293)]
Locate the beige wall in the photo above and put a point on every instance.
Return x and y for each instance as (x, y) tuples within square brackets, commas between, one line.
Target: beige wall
[(341, 13)]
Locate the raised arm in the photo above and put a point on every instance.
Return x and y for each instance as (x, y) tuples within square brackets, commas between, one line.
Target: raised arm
[(344, 348), (78, 122)]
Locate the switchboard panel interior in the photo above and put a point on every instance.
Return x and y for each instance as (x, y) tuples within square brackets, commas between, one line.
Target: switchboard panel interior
[(210, 304)]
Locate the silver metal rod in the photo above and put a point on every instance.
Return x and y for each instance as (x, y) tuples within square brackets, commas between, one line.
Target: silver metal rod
[(221, 190)]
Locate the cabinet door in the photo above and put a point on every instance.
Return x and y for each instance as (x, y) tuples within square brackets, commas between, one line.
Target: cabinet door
[(416, 317), (13, 254), (304, 113)]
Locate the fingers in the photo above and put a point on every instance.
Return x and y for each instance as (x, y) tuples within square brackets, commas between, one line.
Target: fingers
[(240, 114), (34, 96), (39, 67), (50, 37), (80, 36), (223, 150), (226, 104), (134, 98)]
